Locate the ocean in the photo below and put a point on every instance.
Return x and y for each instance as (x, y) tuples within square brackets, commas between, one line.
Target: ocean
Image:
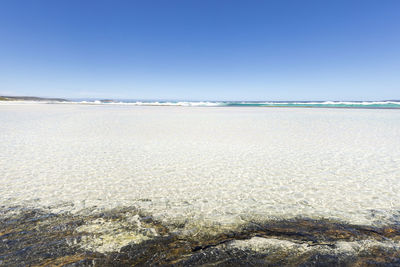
[(332, 104)]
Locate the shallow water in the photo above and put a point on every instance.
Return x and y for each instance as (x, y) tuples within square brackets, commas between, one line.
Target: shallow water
[(202, 170)]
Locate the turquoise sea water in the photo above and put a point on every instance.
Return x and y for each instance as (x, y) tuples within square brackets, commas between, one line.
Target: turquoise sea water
[(319, 104)]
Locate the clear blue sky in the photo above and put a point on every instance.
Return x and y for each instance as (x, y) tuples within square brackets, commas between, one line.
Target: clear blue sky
[(201, 49)]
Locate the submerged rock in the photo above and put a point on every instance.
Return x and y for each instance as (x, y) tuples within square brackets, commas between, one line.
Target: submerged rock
[(129, 237)]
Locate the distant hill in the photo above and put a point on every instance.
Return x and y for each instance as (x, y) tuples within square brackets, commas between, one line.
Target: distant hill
[(30, 98)]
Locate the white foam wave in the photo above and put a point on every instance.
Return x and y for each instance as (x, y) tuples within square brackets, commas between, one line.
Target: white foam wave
[(155, 103), (218, 103), (331, 103), (207, 103)]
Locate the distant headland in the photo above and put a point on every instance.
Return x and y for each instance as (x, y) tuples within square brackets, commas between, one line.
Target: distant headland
[(30, 98)]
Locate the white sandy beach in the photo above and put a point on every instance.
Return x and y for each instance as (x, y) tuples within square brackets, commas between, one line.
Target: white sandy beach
[(205, 166)]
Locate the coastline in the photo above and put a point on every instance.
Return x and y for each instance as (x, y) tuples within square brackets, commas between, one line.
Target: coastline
[(31, 98), (35, 100)]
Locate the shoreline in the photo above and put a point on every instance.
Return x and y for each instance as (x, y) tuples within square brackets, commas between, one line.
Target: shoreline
[(380, 104), (67, 102)]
